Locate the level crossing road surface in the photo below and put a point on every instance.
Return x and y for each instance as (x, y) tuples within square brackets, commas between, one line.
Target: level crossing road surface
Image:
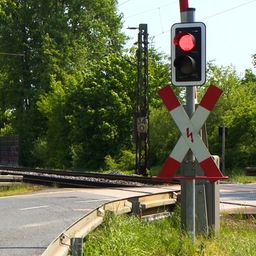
[(29, 223), (238, 198)]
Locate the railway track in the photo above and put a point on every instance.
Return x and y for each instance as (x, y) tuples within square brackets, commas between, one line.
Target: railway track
[(78, 179)]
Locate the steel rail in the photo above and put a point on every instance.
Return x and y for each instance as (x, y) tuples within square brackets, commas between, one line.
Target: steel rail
[(66, 182), (79, 179)]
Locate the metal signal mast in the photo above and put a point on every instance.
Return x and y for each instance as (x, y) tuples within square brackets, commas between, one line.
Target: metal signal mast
[(142, 104)]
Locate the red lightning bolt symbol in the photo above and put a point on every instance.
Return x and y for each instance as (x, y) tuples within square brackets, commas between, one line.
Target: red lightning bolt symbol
[(190, 134)]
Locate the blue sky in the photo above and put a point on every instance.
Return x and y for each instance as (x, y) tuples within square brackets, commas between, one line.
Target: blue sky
[(230, 25)]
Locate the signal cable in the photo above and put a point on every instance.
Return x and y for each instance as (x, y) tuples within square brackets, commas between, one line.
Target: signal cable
[(213, 15), (230, 9), (159, 10), (124, 3), (150, 10), (108, 47)]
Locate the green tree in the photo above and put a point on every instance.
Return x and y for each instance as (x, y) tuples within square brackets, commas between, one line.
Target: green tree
[(77, 105), (56, 45), (101, 113), (237, 110), (163, 131)]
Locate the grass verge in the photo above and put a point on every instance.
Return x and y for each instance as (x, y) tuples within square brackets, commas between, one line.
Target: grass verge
[(129, 236), (21, 188), (238, 176)]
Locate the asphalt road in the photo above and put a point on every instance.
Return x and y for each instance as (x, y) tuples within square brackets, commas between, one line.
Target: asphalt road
[(29, 223), (238, 198)]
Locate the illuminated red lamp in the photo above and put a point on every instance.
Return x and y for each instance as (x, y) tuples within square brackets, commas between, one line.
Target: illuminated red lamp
[(188, 54), (185, 41)]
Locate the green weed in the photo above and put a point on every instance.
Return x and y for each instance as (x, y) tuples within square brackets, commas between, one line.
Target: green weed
[(129, 235), (21, 188)]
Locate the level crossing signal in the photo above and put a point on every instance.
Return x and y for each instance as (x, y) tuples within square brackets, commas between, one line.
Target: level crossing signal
[(188, 54)]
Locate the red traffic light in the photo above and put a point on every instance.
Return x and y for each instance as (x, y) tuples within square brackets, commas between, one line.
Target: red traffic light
[(188, 54), (185, 41)]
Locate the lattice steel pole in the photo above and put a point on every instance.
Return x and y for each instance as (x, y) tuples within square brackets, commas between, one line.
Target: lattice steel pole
[(142, 104)]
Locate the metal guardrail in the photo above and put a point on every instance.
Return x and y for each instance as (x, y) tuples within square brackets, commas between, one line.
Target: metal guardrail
[(9, 180), (250, 171), (147, 207)]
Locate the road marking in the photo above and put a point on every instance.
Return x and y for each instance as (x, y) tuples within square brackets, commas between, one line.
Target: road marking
[(34, 207), (95, 200), (83, 209)]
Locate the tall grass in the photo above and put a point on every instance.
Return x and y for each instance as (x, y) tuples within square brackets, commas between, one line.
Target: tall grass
[(19, 188), (130, 236), (238, 176), (237, 238), (123, 235)]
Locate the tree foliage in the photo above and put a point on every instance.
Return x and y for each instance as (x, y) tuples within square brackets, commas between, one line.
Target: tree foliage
[(57, 54), (236, 109), (68, 89)]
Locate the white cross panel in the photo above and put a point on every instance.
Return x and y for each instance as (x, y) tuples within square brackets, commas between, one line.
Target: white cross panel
[(189, 129)]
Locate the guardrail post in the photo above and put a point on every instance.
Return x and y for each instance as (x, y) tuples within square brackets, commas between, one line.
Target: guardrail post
[(136, 208), (76, 246)]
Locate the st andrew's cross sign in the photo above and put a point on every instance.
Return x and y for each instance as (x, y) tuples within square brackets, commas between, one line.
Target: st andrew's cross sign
[(190, 138)]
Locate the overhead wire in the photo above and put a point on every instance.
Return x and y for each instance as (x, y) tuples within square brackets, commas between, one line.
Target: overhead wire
[(108, 47), (208, 17), (123, 3), (150, 10), (228, 10), (159, 11), (213, 15), (94, 38)]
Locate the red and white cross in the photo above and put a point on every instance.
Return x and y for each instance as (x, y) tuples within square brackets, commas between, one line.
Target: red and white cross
[(190, 138)]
